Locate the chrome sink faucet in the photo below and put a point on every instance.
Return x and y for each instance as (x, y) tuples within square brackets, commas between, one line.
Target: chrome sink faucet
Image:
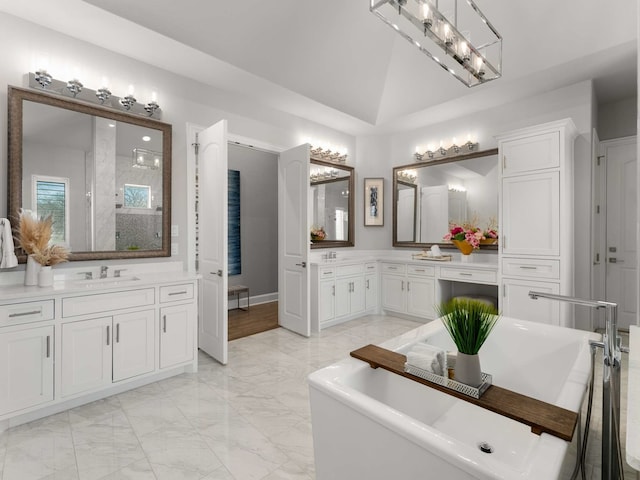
[(103, 271)]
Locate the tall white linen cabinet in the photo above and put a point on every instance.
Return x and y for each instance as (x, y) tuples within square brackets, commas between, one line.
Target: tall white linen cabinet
[(536, 220)]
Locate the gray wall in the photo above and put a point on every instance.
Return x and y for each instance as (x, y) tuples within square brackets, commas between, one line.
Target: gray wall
[(258, 219), (617, 119)]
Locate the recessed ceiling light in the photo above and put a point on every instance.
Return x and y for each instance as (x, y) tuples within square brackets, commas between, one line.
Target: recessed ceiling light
[(146, 138)]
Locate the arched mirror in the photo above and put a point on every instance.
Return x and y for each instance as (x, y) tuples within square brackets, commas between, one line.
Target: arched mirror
[(104, 175), (428, 196), (331, 205)]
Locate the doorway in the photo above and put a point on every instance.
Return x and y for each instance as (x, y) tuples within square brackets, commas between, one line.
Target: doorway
[(619, 203), (252, 239)]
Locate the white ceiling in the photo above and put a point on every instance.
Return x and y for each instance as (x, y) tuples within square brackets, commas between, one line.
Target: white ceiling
[(334, 62)]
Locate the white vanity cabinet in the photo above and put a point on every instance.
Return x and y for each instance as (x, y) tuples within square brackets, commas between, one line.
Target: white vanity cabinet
[(82, 342), (177, 334), (536, 220), (371, 285), (409, 289), (341, 292), (100, 351), (26, 367)]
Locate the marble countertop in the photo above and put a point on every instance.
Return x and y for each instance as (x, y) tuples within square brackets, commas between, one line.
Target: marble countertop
[(70, 285), (633, 399), (456, 261)]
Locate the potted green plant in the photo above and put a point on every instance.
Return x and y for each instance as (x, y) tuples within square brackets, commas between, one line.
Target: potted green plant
[(469, 323)]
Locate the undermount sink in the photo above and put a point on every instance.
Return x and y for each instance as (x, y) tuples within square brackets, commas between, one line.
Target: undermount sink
[(107, 281)]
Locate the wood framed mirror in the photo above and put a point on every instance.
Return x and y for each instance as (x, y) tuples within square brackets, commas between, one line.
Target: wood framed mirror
[(104, 175), (428, 196), (332, 204)]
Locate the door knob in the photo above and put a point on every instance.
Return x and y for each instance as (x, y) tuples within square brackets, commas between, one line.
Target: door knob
[(219, 273), (303, 264)]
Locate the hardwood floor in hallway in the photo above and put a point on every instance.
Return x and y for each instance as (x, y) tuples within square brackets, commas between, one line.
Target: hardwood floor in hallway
[(259, 318)]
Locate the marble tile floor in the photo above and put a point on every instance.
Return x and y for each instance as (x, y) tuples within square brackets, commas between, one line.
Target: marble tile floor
[(248, 420)]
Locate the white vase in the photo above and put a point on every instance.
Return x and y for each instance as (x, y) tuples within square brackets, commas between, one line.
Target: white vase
[(467, 369), (31, 272), (45, 277)]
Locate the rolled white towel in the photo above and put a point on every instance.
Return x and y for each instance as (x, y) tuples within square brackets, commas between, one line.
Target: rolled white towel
[(429, 358), (8, 257)]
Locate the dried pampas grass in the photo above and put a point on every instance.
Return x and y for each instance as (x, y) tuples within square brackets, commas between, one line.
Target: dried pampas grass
[(33, 237), (51, 256)]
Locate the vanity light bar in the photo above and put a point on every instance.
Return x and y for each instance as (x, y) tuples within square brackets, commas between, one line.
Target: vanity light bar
[(328, 155), (443, 152), (42, 80)]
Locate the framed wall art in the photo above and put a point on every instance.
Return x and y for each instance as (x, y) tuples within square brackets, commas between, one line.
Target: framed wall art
[(373, 202)]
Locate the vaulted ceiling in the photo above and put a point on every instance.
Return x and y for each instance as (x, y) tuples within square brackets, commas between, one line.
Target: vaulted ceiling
[(334, 62)]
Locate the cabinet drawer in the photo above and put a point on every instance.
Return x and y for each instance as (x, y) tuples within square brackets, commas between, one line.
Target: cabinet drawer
[(398, 268), (421, 270), (370, 267), (326, 272), (519, 267), (16, 313), (469, 275), (172, 293), (345, 270), (104, 302)]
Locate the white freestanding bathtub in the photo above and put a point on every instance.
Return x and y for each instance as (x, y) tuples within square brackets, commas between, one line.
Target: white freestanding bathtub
[(376, 425)]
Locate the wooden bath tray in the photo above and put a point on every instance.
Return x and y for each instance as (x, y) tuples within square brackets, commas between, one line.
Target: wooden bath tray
[(542, 417)]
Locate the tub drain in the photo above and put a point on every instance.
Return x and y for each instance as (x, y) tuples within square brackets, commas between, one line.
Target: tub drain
[(485, 447)]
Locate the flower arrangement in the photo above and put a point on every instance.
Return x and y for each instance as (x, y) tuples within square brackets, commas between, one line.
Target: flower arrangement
[(34, 236), (468, 321), (318, 233), (473, 235)]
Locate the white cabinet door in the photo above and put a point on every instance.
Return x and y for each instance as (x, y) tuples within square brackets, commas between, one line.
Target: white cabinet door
[(26, 368), (371, 291), (530, 214), (393, 297), (86, 355), (531, 153), (176, 334), (133, 344), (343, 296), (357, 295), (516, 302), (326, 305), (421, 297)]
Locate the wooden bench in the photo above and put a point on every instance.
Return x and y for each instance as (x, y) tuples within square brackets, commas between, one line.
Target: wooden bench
[(237, 290)]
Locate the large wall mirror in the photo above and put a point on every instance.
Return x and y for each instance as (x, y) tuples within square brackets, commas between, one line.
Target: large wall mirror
[(331, 205), (428, 196), (104, 176)]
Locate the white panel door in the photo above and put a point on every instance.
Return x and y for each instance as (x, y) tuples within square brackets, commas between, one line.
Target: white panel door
[(293, 240), (133, 344), (622, 213), (212, 185), (530, 214), (26, 368), (434, 213), (371, 290), (86, 355)]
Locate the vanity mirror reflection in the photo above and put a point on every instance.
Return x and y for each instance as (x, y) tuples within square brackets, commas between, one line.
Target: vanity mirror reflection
[(428, 196), (332, 205), (104, 175)]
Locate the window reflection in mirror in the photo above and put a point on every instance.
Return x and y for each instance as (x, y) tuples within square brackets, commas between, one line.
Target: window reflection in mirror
[(331, 200), (429, 196)]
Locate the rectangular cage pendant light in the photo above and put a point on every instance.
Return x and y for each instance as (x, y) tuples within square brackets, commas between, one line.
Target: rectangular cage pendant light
[(471, 47)]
